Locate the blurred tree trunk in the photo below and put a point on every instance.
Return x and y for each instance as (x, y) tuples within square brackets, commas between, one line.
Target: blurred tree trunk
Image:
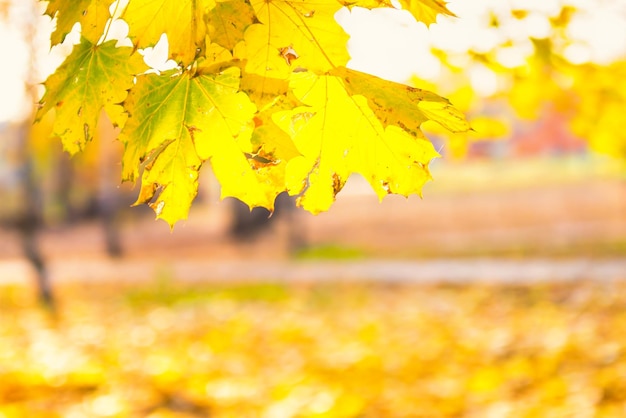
[(108, 199), (108, 213), (248, 224), (30, 220)]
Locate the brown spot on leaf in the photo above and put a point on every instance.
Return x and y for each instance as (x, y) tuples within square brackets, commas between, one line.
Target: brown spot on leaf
[(192, 132), (289, 54), (385, 186), (261, 159), (338, 183)]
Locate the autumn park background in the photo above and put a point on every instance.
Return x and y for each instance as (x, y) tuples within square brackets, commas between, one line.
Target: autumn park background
[(500, 293)]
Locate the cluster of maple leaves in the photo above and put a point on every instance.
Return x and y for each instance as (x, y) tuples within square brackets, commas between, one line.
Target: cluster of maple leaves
[(147, 350), (261, 91)]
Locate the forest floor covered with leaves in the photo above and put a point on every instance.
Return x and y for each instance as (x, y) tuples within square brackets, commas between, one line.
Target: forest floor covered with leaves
[(167, 349)]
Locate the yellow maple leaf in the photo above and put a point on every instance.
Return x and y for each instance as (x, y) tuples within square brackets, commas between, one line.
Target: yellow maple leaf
[(425, 11), (91, 14), (338, 134), (401, 105), (181, 20), (290, 35), (227, 22)]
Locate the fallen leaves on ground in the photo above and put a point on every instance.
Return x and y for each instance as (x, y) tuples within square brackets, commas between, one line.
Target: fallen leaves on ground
[(332, 350)]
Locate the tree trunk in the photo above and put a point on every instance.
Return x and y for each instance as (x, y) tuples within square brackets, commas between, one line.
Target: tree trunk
[(30, 221)]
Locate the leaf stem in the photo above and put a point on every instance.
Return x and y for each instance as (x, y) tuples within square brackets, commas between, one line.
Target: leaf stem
[(110, 22)]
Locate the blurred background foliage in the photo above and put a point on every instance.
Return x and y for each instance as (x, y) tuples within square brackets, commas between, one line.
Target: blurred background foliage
[(553, 65)]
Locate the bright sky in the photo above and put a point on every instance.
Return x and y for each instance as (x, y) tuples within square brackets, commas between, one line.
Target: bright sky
[(13, 103), (598, 31), (397, 49)]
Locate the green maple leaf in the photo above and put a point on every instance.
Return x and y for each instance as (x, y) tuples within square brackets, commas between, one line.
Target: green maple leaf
[(337, 135), (300, 34), (91, 14), (179, 120), (182, 20), (91, 78)]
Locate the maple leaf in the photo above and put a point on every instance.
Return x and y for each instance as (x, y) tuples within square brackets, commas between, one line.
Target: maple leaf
[(270, 96), (180, 120), (181, 20), (91, 14), (301, 34), (227, 22), (337, 135), (273, 147), (425, 11), (271, 139), (92, 77), (400, 105), (265, 92)]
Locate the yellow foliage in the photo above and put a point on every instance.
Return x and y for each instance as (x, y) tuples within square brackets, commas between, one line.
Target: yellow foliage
[(598, 107), (321, 351), (240, 70)]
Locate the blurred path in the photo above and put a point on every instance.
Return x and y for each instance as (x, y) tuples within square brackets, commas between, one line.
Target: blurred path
[(441, 270)]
